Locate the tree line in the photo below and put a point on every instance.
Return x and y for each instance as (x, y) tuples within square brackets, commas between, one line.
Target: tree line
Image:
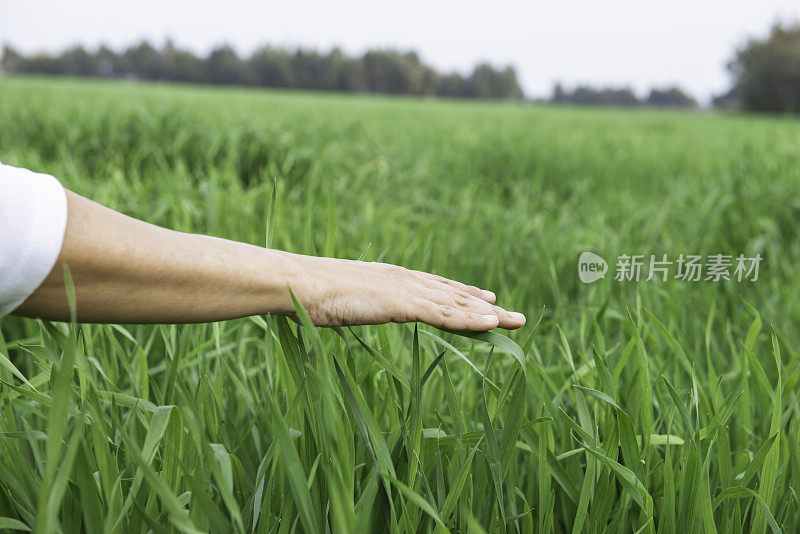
[(673, 97), (376, 71), (765, 73)]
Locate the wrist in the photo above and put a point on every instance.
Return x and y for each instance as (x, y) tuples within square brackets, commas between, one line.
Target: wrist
[(285, 270)]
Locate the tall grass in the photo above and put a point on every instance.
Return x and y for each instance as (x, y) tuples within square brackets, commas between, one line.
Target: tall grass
[(621, 407)]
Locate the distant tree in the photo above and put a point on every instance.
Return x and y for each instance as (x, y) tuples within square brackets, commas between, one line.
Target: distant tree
[(43, 64), (429, 80), (486, 82), (310, 70), (728, 100), (452, 85), (586, 95), (11, 60), (270, 67), (389, 71), (670, 97), (181, 65), (107, 62), (142, 61), (346, 73), (78, 62), (560, 95), (766, 73), (223, 66)]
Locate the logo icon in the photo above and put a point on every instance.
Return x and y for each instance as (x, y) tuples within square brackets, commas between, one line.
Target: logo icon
[(591, 267)]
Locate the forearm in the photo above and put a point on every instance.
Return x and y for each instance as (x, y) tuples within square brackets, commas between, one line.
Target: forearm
[(128, 271)]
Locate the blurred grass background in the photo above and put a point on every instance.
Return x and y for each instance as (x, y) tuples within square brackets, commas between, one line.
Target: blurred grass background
[(503, 196)]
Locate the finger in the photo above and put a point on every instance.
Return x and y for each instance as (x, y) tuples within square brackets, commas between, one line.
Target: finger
[(461, 300), (508, 319), (484, 294), (445, 316), (458, 299), (432, 283)]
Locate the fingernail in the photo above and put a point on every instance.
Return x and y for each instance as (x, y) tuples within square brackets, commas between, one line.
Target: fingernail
[(489, 295), (516, 316)]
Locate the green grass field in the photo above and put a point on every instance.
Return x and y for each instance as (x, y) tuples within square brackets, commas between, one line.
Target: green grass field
[(651, 406)]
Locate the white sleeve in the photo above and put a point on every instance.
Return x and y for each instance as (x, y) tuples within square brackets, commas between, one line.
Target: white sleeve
[(33, 218)]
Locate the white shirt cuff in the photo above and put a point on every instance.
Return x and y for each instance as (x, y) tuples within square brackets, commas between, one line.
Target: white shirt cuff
[(33, 219)]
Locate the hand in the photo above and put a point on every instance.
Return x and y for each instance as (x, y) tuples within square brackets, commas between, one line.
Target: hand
[(345, 292)]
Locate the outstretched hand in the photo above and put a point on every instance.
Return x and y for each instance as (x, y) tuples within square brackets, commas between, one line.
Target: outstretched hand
[(345, 292)]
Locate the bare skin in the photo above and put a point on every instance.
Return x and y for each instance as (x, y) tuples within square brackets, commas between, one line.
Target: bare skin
[(128, 271)]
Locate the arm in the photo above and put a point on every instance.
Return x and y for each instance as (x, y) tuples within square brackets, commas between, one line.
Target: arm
[(128, 271)]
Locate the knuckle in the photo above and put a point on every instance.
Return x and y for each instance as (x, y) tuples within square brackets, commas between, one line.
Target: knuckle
[(446, 311), (461, 299)]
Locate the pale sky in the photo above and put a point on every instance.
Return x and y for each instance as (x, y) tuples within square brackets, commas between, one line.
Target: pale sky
[(640, 43)]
